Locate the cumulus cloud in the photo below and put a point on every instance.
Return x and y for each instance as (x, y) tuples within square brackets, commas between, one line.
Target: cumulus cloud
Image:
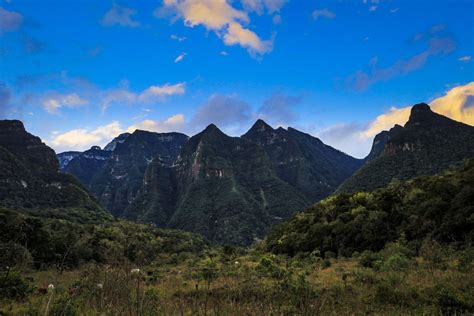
[(324, 13), (387, 120), (436, 46), (236, 34), (222, 18), (9, 20), (457, 104), (53, 103), (82, 139), (119, 15), (171, 124), (179, 58)]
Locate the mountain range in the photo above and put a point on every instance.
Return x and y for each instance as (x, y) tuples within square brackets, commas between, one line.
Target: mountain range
[(229, 189)]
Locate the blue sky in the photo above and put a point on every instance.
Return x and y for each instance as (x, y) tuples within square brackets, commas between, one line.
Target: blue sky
[(80, 72)]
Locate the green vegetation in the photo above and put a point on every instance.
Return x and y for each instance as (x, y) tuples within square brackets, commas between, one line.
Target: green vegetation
[(427, 144), (222, 187), (234, 281), (438, 207)]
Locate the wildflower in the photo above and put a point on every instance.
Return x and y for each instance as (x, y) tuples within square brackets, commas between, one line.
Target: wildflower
[(236, 262), (51, 287), (100, 286), (135, 271)]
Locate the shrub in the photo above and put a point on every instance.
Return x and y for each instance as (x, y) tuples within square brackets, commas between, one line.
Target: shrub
[(449, 304), (369, 259), (13, 286), (396, 263)]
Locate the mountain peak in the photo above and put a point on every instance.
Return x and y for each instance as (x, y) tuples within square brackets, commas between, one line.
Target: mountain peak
[(12, 125), (421, 114)]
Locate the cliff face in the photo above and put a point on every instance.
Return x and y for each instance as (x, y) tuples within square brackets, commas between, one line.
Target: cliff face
[(30, 179), (427, 144)]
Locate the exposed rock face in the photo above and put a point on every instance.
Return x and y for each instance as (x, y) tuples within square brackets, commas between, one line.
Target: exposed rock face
[(427, 144), (303, 161), (232, 189), (30, 178), (115, 174)]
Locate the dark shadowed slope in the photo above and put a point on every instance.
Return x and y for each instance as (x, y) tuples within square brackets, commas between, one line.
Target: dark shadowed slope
[(428, 143)]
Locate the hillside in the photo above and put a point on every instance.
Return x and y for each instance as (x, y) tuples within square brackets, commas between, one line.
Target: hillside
[(436, 207), (221, 187), (31, 181), (303, 161), (114, 175), (427, 144)]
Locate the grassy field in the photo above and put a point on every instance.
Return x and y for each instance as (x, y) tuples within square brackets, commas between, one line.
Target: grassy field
[(250, 282)]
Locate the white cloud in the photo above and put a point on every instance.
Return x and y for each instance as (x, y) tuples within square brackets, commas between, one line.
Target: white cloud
[(53, 103), (178, 38), (171, 124), (119, 15), (154, 92), (465, 59), (9, 20), (457, 104), (325, 13), (236, 34), (220, 17), (151, 94), (356, 139), (373, 8), (82, 139), (180, 57)]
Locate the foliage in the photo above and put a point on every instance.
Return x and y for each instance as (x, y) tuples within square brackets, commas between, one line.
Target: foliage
[(437, 209), (68, 244)]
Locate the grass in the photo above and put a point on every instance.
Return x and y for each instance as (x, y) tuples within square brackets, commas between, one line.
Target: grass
[(249, 283)]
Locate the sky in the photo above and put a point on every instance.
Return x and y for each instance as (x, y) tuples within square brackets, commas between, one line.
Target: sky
[(78, 73)]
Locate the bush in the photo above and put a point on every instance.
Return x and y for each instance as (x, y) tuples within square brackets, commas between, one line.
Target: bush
[(449, 304), (396, 263), (369, 259), (13, 286)]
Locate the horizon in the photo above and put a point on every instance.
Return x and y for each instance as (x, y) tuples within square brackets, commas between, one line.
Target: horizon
[(189, 63)]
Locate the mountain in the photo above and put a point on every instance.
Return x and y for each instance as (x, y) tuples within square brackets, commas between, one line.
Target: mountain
[(222, 187), (31, 182), (303, 161), (65, 157), (427, 144), (117, 140), (115, 174), (87, 164), (438, 208)]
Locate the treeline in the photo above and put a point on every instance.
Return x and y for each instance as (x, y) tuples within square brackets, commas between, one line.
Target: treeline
[(438, 208), (40, 242)]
